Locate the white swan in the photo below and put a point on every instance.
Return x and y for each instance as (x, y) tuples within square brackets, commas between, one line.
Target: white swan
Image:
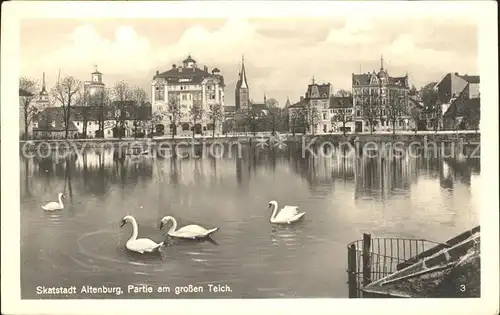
[(140, 245), (51, 206), (189, 231), (286, 215)]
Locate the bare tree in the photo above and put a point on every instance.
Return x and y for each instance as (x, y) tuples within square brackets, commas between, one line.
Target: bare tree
[(343, 93), (101, 102), (298, 119), (122, 94), (157, 117), (430, 99), (251, 119), (174, 110), (216, 115), (83, 110), (139, 96), (312, 116), (66, 92), (342, 115), (395, 107), (274, 114), (472, 118), (415, 116), (196, 113), (28, 109), (370, 110)]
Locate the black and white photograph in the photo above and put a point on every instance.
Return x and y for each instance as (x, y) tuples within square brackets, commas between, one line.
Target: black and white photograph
[(224, 153)]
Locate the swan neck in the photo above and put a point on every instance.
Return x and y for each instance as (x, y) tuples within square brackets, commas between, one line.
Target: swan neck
[(275, 208), (60, 200), (174, 225), (135, 230)]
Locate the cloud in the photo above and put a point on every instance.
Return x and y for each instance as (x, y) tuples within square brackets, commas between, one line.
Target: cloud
[(355, 31), (281, 56), (125, 50)]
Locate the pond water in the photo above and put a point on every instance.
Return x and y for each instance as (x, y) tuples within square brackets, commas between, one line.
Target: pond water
[(413, 197)]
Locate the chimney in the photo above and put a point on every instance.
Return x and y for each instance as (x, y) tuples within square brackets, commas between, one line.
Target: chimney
[(301, 98), (157, 72), (205, 68), (180, 69)]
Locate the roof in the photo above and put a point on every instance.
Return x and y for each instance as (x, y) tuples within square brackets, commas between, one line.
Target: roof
[(340, 102), (189, 59), (462, 107), (53, 114), (416, 102), (470, 78), (318, 90), (259, 106), (24, 93), (188, 75), (299, 104), (287, 104), (242, 80), (365, 78)]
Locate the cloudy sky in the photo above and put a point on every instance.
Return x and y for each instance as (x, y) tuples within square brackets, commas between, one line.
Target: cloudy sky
[(281, 55)]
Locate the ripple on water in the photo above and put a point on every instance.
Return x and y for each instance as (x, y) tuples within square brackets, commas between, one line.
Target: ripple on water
[(101, 251)]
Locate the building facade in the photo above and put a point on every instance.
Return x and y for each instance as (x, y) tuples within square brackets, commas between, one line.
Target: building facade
[(377, 98), (183, 90), (242, 93)]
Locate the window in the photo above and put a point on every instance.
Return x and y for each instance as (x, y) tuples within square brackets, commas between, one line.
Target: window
[(109, 131), (324, 115), (159, 93), (78, 123), (160, 108), (184, 97), (358, 113)]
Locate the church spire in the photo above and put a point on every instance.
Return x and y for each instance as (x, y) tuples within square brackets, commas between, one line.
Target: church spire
[(243, 74), (43, 84), (381, 62)]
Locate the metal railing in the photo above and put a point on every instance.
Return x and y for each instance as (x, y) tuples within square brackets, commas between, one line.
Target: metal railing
[(371, 259)]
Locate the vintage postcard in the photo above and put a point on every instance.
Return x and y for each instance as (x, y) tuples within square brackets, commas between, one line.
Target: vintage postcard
[(262, 156)]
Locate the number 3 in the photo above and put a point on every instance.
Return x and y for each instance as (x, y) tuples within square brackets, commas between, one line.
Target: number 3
[(462, 288)]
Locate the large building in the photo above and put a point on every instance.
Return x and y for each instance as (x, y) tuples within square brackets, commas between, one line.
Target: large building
[(242, 93), (374, 98), (187, 87)]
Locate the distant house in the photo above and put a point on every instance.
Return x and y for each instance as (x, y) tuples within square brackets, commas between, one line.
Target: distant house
[(464, 112), (49, 124), (118, 119), (451, 89)]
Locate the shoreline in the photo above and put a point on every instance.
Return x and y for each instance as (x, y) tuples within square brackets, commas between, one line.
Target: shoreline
[(446, 136)]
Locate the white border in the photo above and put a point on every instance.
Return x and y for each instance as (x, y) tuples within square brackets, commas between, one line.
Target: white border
[(13, 12)]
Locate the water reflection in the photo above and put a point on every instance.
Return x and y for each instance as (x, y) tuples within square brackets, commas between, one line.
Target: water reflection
[(344, 193)]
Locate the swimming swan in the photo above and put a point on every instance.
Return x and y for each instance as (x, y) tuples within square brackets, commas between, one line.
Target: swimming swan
[(189, 231), (140, 245), (51, 206), (286, 215)]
